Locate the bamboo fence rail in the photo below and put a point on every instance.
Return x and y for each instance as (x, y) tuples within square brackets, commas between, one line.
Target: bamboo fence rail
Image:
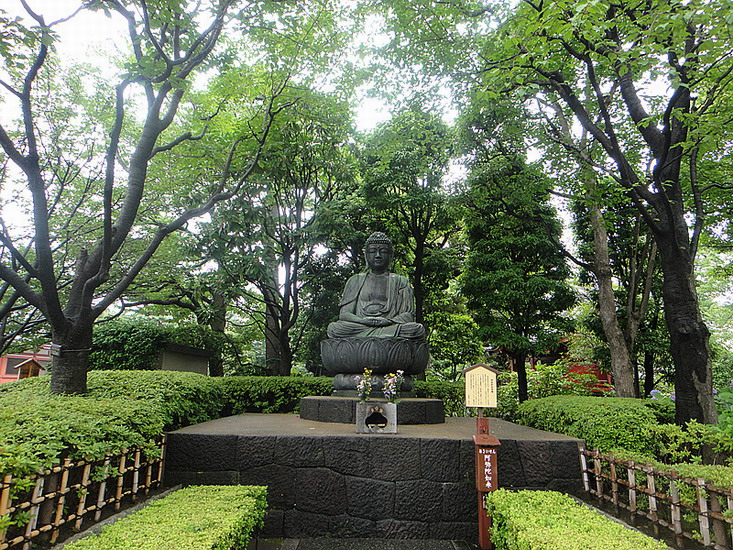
[(65, 496), (689, 508)]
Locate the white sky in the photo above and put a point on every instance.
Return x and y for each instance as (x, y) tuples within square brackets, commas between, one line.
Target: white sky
[(92, 37)]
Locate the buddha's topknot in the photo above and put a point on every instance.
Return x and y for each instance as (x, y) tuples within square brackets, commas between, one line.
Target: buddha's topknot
[(378, 238)]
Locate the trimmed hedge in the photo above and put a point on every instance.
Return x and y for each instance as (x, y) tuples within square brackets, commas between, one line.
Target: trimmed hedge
[(453, 395), (269, 394), (605, 423), (136, 343), (38, 430), (121, 410), (195, 518), (185, 398), (543, 520), (132, 408)]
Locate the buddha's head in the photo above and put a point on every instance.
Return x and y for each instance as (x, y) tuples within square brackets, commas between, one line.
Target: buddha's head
[(378, 252)]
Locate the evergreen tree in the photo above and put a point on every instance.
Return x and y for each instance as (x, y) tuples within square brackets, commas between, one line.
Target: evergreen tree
[(515, 277)]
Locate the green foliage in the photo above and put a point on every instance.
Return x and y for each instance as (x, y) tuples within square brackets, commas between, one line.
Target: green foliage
[(269, 394), (542, 381), (122, 409), (136, 343), (195, 518), (453, 395), (404, 163), (40, 429), (184, 398), (606, 423), (454, 343), (541, 520), (515, 278)]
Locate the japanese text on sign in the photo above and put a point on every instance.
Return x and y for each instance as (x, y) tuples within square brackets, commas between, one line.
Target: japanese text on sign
[(486, 472), (480, 387)]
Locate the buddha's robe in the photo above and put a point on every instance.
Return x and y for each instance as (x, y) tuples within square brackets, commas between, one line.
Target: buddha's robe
[(389, 296)]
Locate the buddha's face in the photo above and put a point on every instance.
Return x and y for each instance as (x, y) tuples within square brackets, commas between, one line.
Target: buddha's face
[(378, 257)]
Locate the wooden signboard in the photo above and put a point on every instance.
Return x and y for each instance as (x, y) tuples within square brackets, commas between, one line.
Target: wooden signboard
[(481, 386), (486, 479)]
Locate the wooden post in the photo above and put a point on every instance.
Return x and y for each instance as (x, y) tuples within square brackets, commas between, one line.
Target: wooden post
[(614, 484), (120, 480), (584, 469), (35, 509), (632, 488), (676, 512), (652, 496), (730, 508), (81, 508), (718, 524), (136, 476), (102, 489), (703, 518), (61, 500), (4, 500), (597, 471), (487, 478)]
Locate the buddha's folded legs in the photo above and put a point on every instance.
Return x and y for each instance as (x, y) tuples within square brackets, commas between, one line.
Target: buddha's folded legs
[(350, 329)]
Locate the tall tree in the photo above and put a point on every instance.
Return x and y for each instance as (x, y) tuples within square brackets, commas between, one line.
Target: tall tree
[(515, 276), (267, 239), (599, 60), (405, 162), (103, 178)]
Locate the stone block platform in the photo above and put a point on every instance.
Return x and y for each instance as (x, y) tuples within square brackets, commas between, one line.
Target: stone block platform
[(343, 410), (326, 480)]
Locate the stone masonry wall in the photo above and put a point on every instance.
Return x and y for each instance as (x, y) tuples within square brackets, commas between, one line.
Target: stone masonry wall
[(366, 486)]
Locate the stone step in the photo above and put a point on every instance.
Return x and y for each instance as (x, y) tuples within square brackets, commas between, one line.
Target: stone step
[(325, 543)]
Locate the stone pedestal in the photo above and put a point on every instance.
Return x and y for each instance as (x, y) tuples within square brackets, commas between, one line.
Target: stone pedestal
[(342, 410)]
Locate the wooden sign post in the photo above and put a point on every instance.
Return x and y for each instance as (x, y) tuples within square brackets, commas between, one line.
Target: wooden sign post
[(481, 392)]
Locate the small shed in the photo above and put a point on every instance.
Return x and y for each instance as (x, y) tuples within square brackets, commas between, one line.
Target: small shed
[(184, 358), (16, 366)]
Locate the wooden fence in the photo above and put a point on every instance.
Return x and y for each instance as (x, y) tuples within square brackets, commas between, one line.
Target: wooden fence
[(73, 495), (690, 508)]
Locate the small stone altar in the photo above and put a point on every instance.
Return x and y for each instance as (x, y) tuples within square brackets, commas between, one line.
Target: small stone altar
[(343, 410)]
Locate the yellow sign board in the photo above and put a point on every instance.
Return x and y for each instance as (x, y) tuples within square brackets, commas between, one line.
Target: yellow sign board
[(481, 388)]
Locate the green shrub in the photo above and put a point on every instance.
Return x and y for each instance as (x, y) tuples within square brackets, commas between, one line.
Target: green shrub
[(605, 423), (121, 409), (195, 518), (543, 520), (269, 394), (38, 429), (453, 395), (542, 381), (714, 474), (135, 343), (185, 398)]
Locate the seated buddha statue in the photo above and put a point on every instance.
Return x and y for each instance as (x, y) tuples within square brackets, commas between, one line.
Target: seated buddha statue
[(377, 304)]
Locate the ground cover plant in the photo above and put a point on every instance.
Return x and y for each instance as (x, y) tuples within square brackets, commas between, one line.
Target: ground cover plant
[(195, 518), (539, 520)]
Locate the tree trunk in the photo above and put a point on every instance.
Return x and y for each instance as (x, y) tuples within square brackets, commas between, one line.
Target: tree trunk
[(417, 282), (520, 364), (69, 366), (272, 342), (218, 324), (648, 373), (689, 337), (622, 367)]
